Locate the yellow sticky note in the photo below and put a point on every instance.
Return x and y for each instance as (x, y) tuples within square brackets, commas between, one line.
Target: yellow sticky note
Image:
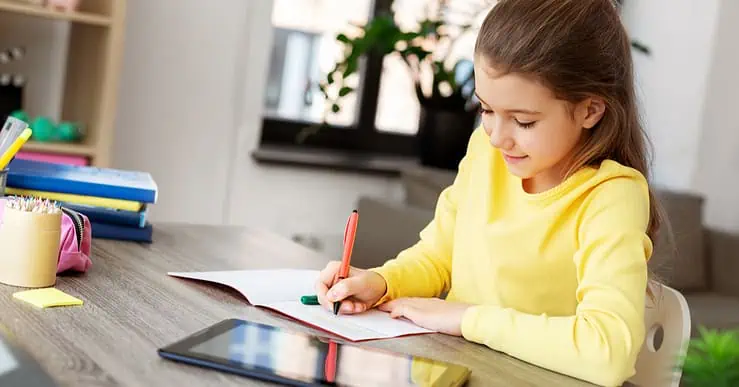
[(47, 297)]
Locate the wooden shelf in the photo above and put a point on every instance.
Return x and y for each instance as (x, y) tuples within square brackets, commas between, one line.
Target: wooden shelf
[(38, 11), (60, 147), (90, 83)]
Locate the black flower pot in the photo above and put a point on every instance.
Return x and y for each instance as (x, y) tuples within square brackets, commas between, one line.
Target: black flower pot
[(443, 136)]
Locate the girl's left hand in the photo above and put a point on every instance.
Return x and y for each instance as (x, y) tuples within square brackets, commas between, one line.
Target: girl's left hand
[(430, 313)]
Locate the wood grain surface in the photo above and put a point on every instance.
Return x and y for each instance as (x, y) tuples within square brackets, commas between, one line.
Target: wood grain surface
[(131, 308)]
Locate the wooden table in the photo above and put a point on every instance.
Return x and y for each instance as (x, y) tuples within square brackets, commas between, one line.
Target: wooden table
[(132, 308)]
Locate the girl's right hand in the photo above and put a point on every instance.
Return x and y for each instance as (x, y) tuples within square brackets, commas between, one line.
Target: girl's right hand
[(359, 292)]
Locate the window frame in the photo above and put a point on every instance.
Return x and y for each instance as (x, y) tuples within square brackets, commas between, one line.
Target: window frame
[(361, 136)]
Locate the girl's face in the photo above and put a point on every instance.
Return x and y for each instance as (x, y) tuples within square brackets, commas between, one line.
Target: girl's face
[(536, 132)]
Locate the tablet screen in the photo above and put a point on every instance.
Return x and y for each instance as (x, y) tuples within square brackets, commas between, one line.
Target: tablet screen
[(18, 368), (271, 351), (8, 361)]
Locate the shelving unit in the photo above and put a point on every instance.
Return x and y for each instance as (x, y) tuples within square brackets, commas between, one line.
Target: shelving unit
[(92, 73), (73, 149), (31, 10)]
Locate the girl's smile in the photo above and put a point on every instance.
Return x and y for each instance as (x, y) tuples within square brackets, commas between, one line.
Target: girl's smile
[(514, 159)]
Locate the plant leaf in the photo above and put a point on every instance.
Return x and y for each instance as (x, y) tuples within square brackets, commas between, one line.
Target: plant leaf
[(345, 90), (419, 52), (408, 36), (351, 68), (712, 359), (343, 38)]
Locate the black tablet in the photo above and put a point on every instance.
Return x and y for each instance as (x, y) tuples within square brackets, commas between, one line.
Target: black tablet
[(294, 358)]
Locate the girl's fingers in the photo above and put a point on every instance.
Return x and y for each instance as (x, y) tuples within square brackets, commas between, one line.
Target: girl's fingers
[(360, 307), (321, 290), (352, 307), (389, 306), (346, 288), (398, 312), (347, 307), (328, 274), (331, 271), (400, 308), (406, 311)]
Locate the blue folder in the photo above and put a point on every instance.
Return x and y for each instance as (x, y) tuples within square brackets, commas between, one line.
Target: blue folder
[(110, 215), (121, 233), (82, 180)]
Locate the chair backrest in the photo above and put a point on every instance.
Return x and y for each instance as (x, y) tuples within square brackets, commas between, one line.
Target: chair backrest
[(385, 229), (667, 320)]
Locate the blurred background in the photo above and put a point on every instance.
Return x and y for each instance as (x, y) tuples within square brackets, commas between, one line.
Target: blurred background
[(286, 115), (223, 101)]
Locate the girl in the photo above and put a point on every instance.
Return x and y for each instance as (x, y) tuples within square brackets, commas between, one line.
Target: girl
[(541, 243)]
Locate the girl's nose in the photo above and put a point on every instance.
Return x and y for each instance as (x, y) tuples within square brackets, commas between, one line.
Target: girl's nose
[(499, 137)]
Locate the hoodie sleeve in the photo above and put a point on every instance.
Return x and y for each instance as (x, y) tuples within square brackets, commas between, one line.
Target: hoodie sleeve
[(424, 269)]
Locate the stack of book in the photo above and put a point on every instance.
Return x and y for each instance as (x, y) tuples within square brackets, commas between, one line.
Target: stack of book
[(115, 201)]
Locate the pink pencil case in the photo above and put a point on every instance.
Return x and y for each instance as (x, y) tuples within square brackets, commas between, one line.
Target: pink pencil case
[(75, 242)]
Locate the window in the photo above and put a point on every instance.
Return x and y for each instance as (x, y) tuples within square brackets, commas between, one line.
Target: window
[(304, 50), (397, 106), (380, 116), (304, 47)]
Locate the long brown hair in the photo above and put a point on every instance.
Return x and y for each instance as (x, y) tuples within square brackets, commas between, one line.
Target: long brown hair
[(579, 49)]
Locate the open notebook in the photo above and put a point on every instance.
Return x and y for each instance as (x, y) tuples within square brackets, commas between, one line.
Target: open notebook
[(281, 289)]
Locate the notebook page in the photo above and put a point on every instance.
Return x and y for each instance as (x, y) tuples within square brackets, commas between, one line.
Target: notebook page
[(370, 325), (261, 286)]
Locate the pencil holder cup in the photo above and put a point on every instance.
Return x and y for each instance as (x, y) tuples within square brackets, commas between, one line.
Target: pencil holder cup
[(29, 247)]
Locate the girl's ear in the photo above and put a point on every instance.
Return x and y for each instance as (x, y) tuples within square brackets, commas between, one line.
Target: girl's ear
[(594, 110)]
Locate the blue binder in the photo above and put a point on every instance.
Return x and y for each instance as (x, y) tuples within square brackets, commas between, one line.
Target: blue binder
[(82, 180), (121, 233), (110, 215)]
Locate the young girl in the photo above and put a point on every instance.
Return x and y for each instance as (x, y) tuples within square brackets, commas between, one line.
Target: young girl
[(542, 241)]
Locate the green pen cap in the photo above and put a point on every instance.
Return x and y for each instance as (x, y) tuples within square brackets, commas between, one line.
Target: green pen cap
[(309, 300)]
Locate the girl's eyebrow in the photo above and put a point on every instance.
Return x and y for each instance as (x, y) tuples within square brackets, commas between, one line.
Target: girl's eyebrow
[(520, 111)]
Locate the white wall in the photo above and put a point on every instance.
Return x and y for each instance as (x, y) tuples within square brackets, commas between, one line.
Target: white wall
[(690, 90), (201, 76), (673, 81), (176, 111), (717, 176)]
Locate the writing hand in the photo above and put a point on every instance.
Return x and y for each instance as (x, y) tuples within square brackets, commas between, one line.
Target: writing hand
[(358, 292)]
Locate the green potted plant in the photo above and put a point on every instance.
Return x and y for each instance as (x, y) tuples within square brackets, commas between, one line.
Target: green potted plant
[(712, 359), (444, 85)]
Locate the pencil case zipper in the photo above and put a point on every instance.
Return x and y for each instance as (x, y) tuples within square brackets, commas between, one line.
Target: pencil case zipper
[(79, 225)]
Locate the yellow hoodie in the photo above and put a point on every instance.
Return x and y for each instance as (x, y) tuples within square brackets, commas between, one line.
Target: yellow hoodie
[(558, 278)]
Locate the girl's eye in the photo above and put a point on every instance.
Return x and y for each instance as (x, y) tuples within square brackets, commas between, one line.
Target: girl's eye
[(485, 111), (525, 125)]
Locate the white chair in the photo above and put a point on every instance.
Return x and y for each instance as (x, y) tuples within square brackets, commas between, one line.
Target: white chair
[(667, 320)]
